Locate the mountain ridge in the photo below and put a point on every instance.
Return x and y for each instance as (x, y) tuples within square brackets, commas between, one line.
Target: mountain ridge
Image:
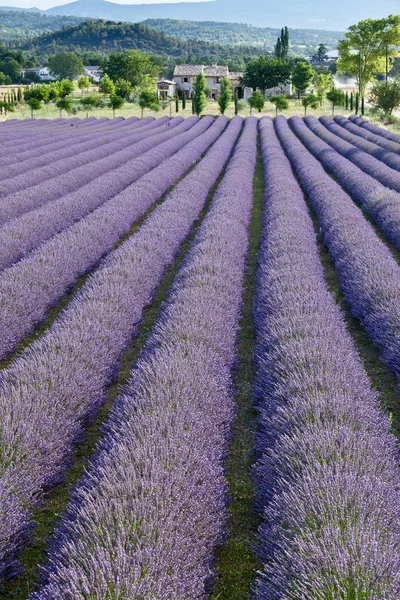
[(264, 13)]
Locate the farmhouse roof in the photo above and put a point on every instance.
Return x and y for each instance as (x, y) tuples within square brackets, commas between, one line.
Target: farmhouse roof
[(235, 74), (187, 70), (215, 71), (166, 81)]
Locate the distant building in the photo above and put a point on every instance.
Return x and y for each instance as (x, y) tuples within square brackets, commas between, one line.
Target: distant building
[(42, 72), (166, 89), (93, 72), (185, 76)]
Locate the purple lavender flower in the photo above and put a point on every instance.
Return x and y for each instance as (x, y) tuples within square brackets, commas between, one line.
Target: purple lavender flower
[(328, 479), (161, 458), (58, 382)]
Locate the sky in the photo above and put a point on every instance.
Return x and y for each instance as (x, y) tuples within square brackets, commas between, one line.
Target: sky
[(43, 4)]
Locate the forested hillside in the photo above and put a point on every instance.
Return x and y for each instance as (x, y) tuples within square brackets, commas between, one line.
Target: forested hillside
[(107, 37), (15, 25), (240, 33)]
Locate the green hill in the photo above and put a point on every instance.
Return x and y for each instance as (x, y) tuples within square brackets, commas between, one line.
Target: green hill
[(108, 36), (240, 33), (16, 25)]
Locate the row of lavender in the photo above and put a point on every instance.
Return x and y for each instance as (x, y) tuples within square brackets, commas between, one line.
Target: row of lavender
[(380, 202), (328, 475), (369, 275), (30, 287), (370, 132), (54, 387), (28, 176), (389, 135), (17, 147), (21, 235), (161, 458)]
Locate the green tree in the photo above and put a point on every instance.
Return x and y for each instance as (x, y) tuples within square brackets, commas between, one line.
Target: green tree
[(106, 85), (282, 44), (176, 103), (281, 103), (66, 87), (132, 66), (11, 68), (83, 83), (236, 101), (64, 104), (311, 100), (266, 72), (362, 52), (19, 95), (336, 98), (34, 104), (89, 102), (66, 65), (40, 92), (183, 100), (6, 107), (54, 90), (225, 94), (199, 97), (123, 88), (148, 99), (322, 83), (302, 76), (385, 96), (256, 101), (115, 102), (321, 53), (5, 79)]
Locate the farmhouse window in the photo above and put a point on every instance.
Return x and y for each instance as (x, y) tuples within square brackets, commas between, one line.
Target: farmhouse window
[(185, 79)]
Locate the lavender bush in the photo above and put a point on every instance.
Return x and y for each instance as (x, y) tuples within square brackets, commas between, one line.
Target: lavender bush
[(23, 234), (56, 385), (381, 203), (328, 479), (367, 135), (41, 145), (368, 273), (72, 176), (389, 135), (28, 177), (169, 515), (389, 158), (31, 141)]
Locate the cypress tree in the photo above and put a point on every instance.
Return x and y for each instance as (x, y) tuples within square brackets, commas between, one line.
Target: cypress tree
[(199, 96), (347, 100), (176, 103), (278, 48), (351, 102), (285, 42), (225, 94), (183, 99), (236, 101), (357, 103), (362, 106), (19, 95)]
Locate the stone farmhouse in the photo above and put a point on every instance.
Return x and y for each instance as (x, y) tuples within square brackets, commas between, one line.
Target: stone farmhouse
[(185, 75)]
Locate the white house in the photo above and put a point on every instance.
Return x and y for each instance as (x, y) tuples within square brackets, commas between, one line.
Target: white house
[(166, 88), (42, 72), (185, 76), (93, 72)]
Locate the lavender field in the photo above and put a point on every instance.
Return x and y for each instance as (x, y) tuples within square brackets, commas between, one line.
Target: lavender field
[(200, 359)]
